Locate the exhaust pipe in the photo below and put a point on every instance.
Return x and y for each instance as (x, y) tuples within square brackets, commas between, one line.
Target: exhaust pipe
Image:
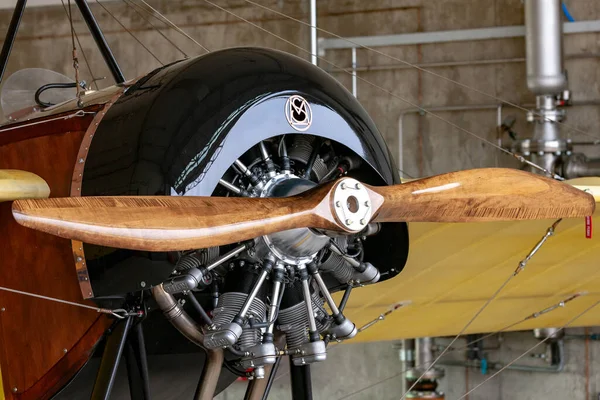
[(192, 331)]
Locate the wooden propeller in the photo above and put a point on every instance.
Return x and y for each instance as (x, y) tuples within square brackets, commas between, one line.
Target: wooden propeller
[(158, 223)]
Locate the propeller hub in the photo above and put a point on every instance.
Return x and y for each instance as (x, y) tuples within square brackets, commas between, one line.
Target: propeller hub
[(294, 246), (352, 204)]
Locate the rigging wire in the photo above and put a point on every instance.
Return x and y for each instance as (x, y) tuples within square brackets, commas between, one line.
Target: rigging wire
[(78, 91), (530, 350), (171, 24), (85, 59), (454, 350), (134, 7), (119, 313), (439, 117), (415, 66), (130, 33)]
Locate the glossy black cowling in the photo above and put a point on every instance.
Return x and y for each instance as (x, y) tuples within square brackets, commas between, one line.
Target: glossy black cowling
[(178, 130)]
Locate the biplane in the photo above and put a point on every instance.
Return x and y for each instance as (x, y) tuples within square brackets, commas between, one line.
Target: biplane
[(247, 199)]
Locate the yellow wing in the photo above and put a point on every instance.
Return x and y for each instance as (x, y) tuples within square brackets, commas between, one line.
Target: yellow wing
[(453, 269), (16, 184)]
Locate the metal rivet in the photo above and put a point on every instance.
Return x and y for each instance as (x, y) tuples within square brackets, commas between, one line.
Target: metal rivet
[(65, 351), (15, 390), (2, 309), (79, 259), (143, 284), (89, 293), (81, 160), (85, 278)]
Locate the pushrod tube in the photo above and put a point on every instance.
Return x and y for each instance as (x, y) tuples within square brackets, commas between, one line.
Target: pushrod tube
[(98, 36), (11, 34)]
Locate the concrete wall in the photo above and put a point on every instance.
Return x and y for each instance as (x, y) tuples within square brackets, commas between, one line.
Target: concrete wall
[(428, 146)]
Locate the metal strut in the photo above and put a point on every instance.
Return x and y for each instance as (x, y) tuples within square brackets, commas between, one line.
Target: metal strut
[(11, 34), (98, 36)]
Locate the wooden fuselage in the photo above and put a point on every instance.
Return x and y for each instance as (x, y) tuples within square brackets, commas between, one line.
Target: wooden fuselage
[(43, 343)]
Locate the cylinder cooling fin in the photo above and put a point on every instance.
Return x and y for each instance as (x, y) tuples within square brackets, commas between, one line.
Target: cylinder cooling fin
[(279, 283)]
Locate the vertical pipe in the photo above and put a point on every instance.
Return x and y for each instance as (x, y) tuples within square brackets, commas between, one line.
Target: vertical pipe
[(313, 31), (98, 36), (11, 34), (544, 47), (354, 78), (210, 375)]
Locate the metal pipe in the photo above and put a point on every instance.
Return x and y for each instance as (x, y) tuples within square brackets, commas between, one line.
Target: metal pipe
[(313, 32), (459, 35), (446, 64), (98, 36), (210, 375), (325, 292), (555, 368), (578, 165), (312, 324), (274, 305), (354, 76), (461, 107), (177, 316), (188, 328), (424, 352), (11, 34), (253, 293), (230, 186), (226, 257), (544, 47)]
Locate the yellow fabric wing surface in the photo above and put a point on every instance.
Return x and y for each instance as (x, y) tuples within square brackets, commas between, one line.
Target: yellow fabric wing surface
[(453, 269)]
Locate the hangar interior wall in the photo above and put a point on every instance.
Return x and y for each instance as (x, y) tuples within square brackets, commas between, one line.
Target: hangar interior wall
[(428, 146)]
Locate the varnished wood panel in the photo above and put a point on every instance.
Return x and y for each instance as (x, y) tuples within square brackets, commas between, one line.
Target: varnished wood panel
[(51, 125), (37, 334)]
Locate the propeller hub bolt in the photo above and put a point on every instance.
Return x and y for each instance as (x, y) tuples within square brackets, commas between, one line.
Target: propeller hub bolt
[(343, 186), (367, 203), (357, 186), (338, 204), (362, 222), (349, 222)]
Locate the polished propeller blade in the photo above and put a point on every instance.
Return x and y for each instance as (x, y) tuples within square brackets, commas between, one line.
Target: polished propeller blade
[(160, 223), (164, 223), (480, 195)]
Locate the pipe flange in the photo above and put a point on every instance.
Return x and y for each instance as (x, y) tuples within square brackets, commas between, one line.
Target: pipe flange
[(527, 147), (545, 116), (351, 204), (431, 375)]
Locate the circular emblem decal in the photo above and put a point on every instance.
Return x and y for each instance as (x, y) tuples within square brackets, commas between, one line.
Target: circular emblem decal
[(298, 113)]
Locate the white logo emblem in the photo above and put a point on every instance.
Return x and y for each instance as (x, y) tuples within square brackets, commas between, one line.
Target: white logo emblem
[(298, 113)]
